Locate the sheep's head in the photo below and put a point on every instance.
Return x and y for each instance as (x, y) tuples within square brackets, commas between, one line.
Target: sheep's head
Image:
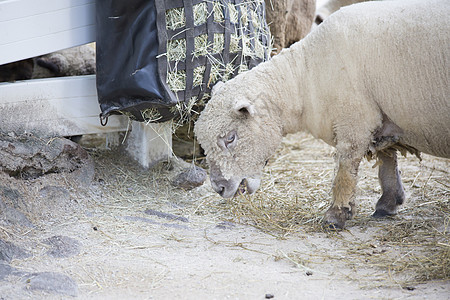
[(238, 135)]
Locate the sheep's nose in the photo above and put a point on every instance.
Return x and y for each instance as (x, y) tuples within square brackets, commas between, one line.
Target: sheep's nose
[(218, 188), (222, 190)]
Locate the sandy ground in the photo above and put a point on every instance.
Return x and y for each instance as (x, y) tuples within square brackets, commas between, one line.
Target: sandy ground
[(217, 252)]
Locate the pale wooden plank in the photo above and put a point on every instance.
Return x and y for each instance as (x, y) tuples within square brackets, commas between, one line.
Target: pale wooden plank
[(62, 106), (14, 9), (51, 22), (54, 107), (54, 26), (67, 127), (56, 88)]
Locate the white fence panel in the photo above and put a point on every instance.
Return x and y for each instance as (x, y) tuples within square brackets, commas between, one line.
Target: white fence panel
[(31, 28)]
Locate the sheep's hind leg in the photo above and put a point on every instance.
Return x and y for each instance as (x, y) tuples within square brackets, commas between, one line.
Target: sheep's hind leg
[(344, 187), (391, 185)]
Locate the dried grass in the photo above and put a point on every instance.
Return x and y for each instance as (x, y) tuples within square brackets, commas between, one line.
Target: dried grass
[(151, 115), (234, 15), (177, 50), (405, 250), (234, 43), (201, 45), (200, 14), (218, 12), (176, 80), (198, 75), (175, 18), (219, 43), (411, 248), (241, 15)]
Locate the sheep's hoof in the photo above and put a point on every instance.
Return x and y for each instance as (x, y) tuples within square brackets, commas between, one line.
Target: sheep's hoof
[(333, 226), (388, 204), (381, 213), (335, 218)]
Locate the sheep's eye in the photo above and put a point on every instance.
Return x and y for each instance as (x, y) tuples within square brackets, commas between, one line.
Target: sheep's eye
[(231, 138)]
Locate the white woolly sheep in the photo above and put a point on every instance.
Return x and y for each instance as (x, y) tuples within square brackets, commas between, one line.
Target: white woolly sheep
[(289, 20), (373, 77)]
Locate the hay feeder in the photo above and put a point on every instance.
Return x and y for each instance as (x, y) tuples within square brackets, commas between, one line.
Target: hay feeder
[(202, 42)]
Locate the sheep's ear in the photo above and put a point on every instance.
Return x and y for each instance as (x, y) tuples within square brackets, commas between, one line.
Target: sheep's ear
[(244, 108), (216, 87)]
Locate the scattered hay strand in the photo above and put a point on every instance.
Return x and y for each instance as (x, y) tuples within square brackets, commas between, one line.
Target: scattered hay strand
[(228, 72), (246, 46), (405, 250), (259, 49), (242, 69), (410, 248), (214, 75), (151, 115), (256, 22)]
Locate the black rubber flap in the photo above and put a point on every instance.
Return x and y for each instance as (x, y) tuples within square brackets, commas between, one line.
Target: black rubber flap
[(128, 81)]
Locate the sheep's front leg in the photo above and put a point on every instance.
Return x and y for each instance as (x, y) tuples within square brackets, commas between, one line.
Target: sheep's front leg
[(344, 187), (391, 185)]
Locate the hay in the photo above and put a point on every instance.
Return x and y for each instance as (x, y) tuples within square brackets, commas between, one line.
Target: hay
[(234, 15), (201, 45), (187, 111), (218, 12), (404, 250), (228, 72), (259, 49), (200, 14), (288, 200), (198, 75), (219, 43), (242, 69), (244, 14), (234, 43), (256, 22), (176, 80), (249, 28), (151, 115), (401, 251), (175, 18), (177, 50)]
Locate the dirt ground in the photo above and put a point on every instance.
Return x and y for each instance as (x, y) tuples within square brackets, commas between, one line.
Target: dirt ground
[(130, 234)]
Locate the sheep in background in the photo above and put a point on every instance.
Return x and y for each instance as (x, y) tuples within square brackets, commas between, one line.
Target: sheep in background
[(289, 21), (328, 7), (69, 62), (371, 79)]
